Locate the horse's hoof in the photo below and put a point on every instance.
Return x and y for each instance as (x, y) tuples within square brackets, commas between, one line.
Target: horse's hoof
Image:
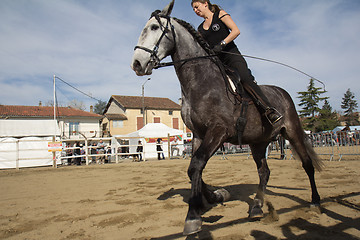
[(225, 195), (192, 226), (256, 212), (315, 207)]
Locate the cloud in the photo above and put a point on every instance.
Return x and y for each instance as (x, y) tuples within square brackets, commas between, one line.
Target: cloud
[(90, 45)]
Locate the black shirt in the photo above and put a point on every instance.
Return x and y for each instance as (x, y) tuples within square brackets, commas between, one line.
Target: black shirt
[(217, 32)]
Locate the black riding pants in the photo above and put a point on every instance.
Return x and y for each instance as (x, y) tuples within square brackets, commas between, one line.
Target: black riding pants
[(235, 60)]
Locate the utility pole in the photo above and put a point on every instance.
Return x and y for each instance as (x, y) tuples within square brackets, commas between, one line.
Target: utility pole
[(54, 137), (143, 100)]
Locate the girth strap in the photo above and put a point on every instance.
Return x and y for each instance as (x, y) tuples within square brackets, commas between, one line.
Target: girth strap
[(241, 121)]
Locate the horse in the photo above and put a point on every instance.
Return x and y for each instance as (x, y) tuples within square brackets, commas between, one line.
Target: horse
[(211, 113)]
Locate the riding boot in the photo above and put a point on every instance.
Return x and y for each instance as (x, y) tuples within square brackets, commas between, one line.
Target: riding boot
[(261, 100)]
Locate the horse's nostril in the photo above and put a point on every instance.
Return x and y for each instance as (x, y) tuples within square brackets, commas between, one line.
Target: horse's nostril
[(136, 65)]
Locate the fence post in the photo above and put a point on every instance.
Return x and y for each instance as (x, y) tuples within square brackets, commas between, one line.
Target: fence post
[(116, 154), (169, 148), (54, 154), (17, 154), (86, 152)]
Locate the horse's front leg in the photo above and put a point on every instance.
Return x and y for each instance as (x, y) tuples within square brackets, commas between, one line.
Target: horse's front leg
[(258, 152), (198, 162)]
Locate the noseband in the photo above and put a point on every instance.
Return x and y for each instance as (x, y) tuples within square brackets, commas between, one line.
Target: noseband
[(165, 29)]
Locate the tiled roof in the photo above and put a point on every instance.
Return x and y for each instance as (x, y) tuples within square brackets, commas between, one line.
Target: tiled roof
[(149, 102), (40, 111), (115, 116)]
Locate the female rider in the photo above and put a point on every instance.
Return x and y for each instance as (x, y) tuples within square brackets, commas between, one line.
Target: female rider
[(220, 31)]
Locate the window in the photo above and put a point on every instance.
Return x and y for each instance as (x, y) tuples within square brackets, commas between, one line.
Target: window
[(175, 123), (139, 123), (118, 123), (73, 128), (171, 113), (156, 119)]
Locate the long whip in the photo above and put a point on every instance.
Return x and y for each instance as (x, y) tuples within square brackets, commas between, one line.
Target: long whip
[(283, 64)]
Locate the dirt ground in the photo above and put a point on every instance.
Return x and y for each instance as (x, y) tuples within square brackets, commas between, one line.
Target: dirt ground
[(147, 200)]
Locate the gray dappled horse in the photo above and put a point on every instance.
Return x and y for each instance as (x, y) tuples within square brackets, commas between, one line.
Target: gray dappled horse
[(211, 113)]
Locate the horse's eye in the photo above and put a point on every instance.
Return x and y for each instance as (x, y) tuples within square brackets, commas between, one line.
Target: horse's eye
[(154, 27)]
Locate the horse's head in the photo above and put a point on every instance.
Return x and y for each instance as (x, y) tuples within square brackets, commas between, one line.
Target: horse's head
[(156, 41)]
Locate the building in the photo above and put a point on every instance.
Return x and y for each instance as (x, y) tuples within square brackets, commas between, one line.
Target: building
[(126, 114), (73, 123)]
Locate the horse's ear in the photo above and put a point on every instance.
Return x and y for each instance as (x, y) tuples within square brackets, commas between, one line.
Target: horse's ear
[(167, 10)]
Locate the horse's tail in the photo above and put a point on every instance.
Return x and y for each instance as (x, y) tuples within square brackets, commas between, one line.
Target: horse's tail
[(316, 161), (310, 153)]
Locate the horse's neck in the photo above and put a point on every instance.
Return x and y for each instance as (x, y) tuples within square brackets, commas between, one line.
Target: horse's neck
[(186, 48)]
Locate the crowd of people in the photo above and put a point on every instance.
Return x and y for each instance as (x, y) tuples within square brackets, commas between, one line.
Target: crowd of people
[(100, 153)]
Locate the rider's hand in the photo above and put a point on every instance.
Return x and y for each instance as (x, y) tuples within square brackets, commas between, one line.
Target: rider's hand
[(218, 48)]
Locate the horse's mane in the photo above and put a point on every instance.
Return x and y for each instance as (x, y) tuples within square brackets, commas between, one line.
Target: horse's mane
[(196, 35)]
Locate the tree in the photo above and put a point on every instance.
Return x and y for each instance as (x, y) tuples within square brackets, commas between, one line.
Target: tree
[(77, 104), (309, 100), (349, 104), (99, 107), (327, 120)]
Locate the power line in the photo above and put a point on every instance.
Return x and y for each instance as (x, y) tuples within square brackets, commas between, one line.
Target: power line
[(77, 89)]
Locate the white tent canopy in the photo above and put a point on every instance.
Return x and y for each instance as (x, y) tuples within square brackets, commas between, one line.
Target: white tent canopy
[(340, 128), (151, 130)]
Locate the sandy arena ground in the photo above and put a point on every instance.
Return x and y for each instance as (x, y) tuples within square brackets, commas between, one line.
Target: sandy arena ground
[(147, 200)]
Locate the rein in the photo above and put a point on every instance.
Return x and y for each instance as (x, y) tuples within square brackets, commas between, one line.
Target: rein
[(167, 64), (155, 60), (172, 63)]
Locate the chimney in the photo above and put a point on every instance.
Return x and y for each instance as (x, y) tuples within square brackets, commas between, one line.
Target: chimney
[(91, 108), (180, 101), (40, 103)]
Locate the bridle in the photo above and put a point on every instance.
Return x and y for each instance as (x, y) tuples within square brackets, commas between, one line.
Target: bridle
[(154, 59)]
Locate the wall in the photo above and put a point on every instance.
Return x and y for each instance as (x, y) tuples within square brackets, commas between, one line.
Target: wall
[(88, 127), (130, 125)]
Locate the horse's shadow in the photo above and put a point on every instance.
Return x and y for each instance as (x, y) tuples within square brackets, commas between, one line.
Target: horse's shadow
[(238, 192), (242, 192)]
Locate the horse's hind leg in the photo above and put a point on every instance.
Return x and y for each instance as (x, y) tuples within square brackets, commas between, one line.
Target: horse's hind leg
[(309, 159), (258, 152)]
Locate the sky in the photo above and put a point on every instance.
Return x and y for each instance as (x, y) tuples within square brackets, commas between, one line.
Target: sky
[(89, 44)]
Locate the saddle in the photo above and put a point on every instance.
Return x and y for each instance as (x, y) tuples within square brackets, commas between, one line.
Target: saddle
[(234, 80)]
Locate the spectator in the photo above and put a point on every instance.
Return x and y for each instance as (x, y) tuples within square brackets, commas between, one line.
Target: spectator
[(139, 149), (101, 150), (69, 152), (174, 147), (108, 155), (159, 149), (93, 152), (77, 153)]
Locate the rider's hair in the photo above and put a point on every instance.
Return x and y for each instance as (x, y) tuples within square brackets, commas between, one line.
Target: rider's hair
[(213, 7)]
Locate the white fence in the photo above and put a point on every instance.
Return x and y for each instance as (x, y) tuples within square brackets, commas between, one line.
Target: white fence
[(34, 152), (25, 152), (337, 146), (116, 149), (329, 146)]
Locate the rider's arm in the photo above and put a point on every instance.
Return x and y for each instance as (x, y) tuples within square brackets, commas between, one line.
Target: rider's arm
[(226, 18)]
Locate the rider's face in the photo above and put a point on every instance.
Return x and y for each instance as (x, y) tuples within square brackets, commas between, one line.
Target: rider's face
[(200, 8)]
